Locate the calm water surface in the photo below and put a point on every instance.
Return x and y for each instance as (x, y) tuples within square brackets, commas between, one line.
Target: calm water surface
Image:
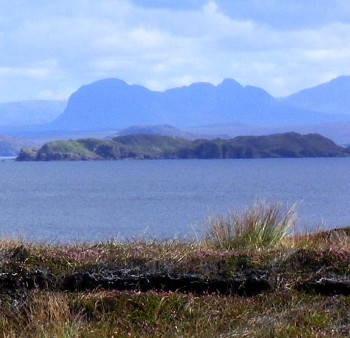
[(92, 201)]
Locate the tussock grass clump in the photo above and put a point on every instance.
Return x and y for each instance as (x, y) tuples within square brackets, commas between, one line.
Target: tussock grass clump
[(264, 226), (338, 238), (44, 314)]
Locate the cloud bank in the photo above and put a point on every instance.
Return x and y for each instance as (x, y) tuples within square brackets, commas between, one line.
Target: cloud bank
[(49, 49)]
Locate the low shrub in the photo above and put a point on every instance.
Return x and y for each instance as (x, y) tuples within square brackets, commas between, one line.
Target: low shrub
[(264, 226)]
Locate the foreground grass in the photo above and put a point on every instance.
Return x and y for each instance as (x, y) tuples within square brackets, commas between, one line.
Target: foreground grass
[(114, 314), (46, 290)]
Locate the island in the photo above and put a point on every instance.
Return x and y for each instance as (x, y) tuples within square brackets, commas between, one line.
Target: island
[(142, 146)]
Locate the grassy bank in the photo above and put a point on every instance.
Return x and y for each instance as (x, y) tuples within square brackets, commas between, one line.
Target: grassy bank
[(250, 276)]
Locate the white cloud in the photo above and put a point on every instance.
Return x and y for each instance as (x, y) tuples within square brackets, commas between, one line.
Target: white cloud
[(32, 73), (57, 94), (67, 44)]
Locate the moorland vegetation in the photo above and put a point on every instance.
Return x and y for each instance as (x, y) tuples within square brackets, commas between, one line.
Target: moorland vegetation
[(251, 275)]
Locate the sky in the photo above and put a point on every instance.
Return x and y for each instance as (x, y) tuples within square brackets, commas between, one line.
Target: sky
[(48, 49)]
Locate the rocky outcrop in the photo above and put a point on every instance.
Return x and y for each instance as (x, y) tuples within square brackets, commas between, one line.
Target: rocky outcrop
[(249, 284), (329, 286), (252, 283), (27, 154)]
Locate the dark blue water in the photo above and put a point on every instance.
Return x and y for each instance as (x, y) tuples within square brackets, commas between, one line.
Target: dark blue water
[(93, 201)]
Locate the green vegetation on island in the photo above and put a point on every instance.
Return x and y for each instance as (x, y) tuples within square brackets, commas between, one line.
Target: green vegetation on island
[(167, 147), (251, 275)]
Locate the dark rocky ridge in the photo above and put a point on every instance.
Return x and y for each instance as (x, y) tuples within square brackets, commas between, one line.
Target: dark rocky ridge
[(287, 145)]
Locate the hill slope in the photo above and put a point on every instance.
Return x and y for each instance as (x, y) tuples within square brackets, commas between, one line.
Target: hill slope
[(332, 97), (163, 129)]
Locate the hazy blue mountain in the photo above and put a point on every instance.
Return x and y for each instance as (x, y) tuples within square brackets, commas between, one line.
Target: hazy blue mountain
[(113, 104), (11, 146), (160, 129), (332, 97), (30, 112)]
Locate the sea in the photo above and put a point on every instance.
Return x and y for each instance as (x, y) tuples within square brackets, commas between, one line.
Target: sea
[(74, 202)]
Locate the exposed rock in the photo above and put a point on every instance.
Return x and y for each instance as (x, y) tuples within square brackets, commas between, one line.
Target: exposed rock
[(27, 154), (247, 285), (326, 286), (35, 279)]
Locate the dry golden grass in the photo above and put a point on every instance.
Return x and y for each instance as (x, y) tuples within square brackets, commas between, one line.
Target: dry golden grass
[(128, 314), (262, 227), (44, 314)]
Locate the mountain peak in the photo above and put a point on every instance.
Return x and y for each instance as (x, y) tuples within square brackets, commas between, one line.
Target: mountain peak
[(109, 82), (230, 84)]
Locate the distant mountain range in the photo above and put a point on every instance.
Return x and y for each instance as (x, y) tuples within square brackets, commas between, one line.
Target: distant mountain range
[(332, 97), (112, 107), (24, 113), (11, 146), (112, 103), (165, 147), (159, 129)]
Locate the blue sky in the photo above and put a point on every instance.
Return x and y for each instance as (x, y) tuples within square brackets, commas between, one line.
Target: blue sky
[(48, 49)]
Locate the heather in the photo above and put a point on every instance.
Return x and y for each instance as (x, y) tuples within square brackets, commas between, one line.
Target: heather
[(252, 275)]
